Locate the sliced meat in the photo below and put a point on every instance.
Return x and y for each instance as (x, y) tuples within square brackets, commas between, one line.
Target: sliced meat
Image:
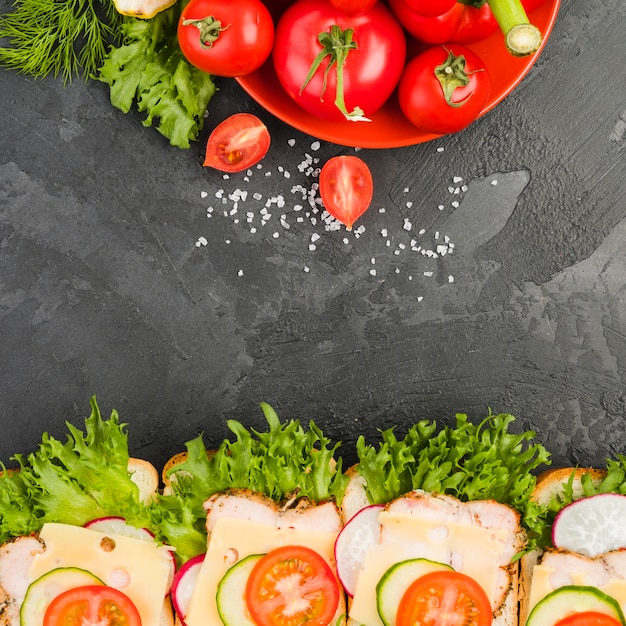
[(241, 504), (570, 565), (15, 560), (615, 561), (249, 505), (436, 507)]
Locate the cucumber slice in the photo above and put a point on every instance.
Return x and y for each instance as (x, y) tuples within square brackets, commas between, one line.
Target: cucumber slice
[(231, 591), (396, 580), (47, 587), (564, 601)]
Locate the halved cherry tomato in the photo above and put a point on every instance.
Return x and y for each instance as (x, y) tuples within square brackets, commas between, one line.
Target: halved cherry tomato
[(346, 188), (290, 586), (92, 605), (237, 143), (445, 598), (588, 618)]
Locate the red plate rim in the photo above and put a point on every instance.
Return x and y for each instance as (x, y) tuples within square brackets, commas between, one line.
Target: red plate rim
[(389, 128)]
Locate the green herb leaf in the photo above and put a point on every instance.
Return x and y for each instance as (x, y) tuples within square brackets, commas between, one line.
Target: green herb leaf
[(73, 482), (148, 69), (67, 38)]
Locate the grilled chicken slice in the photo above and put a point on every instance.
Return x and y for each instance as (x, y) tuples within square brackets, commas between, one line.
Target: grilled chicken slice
[(249, 505), (16, 557)]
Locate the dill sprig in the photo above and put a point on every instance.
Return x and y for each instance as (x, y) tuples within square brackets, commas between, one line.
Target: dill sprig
[(60, 37)]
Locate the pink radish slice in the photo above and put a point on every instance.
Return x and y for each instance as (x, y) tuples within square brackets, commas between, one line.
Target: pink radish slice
[(360, 533), (118, 526), (592, 526), (184, 585)]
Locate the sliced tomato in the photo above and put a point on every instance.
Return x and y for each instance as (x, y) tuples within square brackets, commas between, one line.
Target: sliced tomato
[(588, 618), (92, 605), (346, 188), (290, 586), (237, 143), (445, 598)]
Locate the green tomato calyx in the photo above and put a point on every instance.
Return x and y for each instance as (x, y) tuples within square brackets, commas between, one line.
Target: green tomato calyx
[(210, 29), (336, 45)]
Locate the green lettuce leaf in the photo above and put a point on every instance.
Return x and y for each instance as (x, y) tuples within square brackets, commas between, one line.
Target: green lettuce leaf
[(468, 461), (148, 69), (73, 482), (283, 461)]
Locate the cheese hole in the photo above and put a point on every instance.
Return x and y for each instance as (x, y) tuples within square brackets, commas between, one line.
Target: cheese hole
[(439, 534), (231, 556), (107, 544), (119, 579)]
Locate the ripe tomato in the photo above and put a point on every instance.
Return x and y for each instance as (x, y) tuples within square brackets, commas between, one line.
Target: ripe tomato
[(292, 585), (237, 143), (461, 23), (353, 7), (346, 188), (338, 66), (588, 618), (444, 598), (430, 8), (92, 605), (444, 89), (226, 38)]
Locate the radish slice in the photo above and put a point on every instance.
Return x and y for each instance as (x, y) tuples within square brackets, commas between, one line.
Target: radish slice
[(184, 585), (592, 526), (118, 526), (353, 542)]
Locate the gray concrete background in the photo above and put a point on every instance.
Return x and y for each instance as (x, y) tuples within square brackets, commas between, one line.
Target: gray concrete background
[(106, 287)]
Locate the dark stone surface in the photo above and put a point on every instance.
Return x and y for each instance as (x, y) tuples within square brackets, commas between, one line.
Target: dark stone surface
[(104, 290)]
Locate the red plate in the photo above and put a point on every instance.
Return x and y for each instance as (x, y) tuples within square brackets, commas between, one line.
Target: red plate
[(389, 128)]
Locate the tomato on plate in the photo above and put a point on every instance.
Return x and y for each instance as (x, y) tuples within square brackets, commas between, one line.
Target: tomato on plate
[(588, 618), (346, 188), (444, 89), (337, 66), (353, 7), (226, 38), (290, 586), (237, 143), (444, 598), (92, 605)]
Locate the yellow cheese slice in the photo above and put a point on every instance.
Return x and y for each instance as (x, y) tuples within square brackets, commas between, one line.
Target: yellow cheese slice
[(473, 550), (234, 539), (541, 586), (138, 568)]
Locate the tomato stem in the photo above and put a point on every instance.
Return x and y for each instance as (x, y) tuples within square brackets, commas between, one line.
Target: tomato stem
[(210, 29), (451, 75), (336, 44), (521, 37)]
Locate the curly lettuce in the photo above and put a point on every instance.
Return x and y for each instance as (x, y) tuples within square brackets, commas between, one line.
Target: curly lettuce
[(71, 482), (285, 460), (468, 461)]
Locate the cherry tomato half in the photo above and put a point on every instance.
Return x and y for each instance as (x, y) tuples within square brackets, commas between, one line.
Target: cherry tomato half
[(588, 618), (445, 598), (346, 188), (237, 143), (290, 586), (444, 89), (92, 605), (226, 38)]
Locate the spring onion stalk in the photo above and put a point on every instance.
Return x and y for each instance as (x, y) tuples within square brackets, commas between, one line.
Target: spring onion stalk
[(521, 37)]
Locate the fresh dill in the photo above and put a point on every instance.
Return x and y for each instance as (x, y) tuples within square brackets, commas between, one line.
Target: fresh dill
[(60, 37)]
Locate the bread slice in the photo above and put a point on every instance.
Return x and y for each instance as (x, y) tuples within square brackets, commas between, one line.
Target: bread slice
[(145, 476), (550, 484), (355, 499)]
